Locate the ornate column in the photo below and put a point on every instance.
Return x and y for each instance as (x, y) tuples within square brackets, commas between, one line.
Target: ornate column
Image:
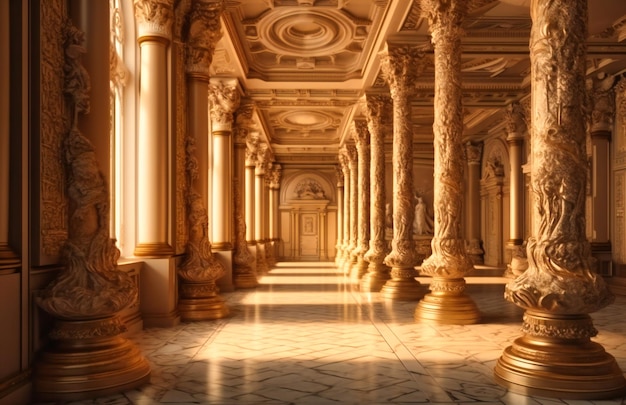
[(361, 137), (449, 262), (379, 115), (602, 123), (154, 21), (556, 357), (252, 143), (339, 175), (199, 270), (516, 127), (266, 214), (401, 67), (345, 168), (87, 355), (224, 100), (353, 206), (273, 212), (259, 207), (243, 273), (473, 153)]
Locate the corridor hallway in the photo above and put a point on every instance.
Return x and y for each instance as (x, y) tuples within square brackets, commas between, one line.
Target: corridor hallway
[(304, 336)]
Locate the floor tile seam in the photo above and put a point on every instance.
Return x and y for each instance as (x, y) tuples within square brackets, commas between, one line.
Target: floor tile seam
[(397, 346)]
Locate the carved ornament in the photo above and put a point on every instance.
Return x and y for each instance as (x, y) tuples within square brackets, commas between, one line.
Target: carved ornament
[(154, 19), (204, 33), (223, 101)]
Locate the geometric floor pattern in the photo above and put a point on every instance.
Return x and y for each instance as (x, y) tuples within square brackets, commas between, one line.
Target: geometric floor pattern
[(306, 336)]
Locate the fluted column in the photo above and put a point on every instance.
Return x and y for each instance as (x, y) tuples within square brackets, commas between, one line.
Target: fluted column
[(274, 202), (556, 357), (199, 269), (154, 21), (362, 139), (8, 258), (473, 153), (516, 127), (353, 206), (243, 273), (401, 67), (379, 115), (86, 354), (340, 191), (259, 207), (345, 168), (449, 262)]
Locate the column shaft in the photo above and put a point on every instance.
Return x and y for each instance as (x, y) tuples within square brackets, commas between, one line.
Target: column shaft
[(475, 250), (340, 197), (362, 139)]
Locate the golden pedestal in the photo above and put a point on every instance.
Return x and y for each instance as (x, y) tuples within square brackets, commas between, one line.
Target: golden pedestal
[(375, 279), (402, 286), (88, 359), (245, 279), (448, 304), (555, 358), (200, 302)]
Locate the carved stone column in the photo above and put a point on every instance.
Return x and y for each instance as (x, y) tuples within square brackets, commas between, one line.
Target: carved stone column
[(259, 207), (243, 273), (602, 120), (199, 270), (345, 168), (266, 215), (154, 21), (401, 67), (353, 206), (379, 116), (475, 250), (224, 100), (252, 143), (449, 262), (340, 192), (516, 127), (556, 357), (274, 189), (87, 356), (361, 137)]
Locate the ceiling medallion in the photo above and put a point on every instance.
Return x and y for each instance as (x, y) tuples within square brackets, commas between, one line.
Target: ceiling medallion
[(305, 32)]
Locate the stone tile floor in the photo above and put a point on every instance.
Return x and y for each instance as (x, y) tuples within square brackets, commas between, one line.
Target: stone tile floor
[(305, 336)]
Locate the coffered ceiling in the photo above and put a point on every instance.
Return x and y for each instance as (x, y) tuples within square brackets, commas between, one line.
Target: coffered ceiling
[(307, 64)]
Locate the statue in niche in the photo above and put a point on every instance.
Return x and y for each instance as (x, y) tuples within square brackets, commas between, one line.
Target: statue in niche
[(423, 223), (494, 167), (388, 216), (309, 189)]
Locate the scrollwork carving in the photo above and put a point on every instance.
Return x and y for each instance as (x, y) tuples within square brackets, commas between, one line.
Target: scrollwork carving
[(154, 18), (204, 33), (224, 99)]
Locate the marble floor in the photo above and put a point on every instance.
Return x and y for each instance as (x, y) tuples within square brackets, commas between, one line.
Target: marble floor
[(305, 336)]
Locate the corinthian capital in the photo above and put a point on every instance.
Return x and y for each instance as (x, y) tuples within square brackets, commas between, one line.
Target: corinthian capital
[(401, 67), (274, 176), (244, 124), (445, 18), (603, 103), (515, 120), (204, 33), (473, 151), (224, 99), (379, 110), (154, 18), (360, 133)]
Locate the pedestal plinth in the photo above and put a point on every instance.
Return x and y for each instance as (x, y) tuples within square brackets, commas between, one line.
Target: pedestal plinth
[(402, 286), (447, 303), (88, 359), (245, 279), (556, 358), (376, 277), (200, 301)]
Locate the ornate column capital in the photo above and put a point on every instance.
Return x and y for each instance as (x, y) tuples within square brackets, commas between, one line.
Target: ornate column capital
[(473, 152), (378, 110), (351, 154), (224, 99), (445, 18), (263, 159), (252, 149), (154, 19), (602, 94), (401, 66), (515, 121), (244, 123), (360, 133), (339, 175), (204, 33), (274, 176), (344, 162)]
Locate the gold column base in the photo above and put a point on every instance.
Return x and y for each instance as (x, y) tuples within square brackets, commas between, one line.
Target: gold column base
[(88, 359), (376, 277), (349, 263), (447, 304), (555, 358), (153, 250), (200, 302), (402, 286), (245, 279), (359, 269)]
